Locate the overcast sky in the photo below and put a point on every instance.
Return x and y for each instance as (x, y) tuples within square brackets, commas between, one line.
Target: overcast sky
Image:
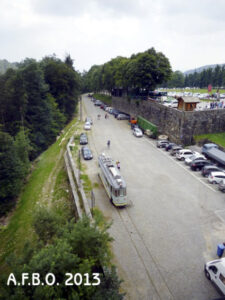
[(191, 33)]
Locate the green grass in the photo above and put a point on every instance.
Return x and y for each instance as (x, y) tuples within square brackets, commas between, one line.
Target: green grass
[(19, 228), (105, 98), (217, 138), (87, 185)]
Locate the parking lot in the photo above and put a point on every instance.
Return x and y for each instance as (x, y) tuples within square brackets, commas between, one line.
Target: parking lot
[(173, 222)]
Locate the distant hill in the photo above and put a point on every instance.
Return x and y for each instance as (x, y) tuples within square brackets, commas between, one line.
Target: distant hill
[(198, 70), (4, 65)]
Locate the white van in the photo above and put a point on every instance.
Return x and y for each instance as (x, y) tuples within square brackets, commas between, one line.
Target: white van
[(215, 271)]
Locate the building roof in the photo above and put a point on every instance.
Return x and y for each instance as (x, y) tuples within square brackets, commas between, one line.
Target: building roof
[(187, 99)]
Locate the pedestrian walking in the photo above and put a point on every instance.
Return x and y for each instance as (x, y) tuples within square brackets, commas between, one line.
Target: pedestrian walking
[(108, 144), (118, 165), (99, 117)]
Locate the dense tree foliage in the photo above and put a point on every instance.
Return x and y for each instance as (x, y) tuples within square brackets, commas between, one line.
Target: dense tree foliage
[(142, 71), (215, 77), (81, 247), (36, 100)]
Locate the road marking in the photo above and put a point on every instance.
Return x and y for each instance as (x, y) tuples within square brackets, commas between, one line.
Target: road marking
[(222, 212), (191, 173)]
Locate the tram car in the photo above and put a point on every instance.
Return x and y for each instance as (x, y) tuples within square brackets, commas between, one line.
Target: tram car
[(112, 180)]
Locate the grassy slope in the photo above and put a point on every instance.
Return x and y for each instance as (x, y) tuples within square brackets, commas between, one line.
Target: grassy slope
[(217, 138), (14, 235)]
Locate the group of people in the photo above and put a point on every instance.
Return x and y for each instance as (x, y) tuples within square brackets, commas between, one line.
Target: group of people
[(216, 105), (99, 116)]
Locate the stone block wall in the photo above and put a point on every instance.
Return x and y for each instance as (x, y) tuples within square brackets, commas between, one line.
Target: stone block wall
[(180, 126)]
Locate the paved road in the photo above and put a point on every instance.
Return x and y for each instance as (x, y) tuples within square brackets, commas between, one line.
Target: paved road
[(174, 220)]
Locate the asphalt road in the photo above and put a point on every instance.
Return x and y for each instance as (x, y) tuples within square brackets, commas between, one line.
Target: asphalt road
[(173, 222)]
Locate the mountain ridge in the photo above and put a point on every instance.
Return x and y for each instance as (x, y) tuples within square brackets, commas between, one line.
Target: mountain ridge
[(200, 69)]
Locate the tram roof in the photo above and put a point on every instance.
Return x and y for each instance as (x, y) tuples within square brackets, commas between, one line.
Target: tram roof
[(111, 172)]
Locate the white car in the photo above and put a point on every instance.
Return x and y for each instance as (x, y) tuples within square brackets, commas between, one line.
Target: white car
[(216, 177), (184, 153), (137, 132), (87, 126), (215, 271), (190, 159)]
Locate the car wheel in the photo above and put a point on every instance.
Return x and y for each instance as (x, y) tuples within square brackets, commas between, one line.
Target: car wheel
[(207, 275), (214, 182), (182, 158)]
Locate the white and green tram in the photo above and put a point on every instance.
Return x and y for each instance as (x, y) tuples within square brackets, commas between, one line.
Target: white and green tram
[(112, 180)]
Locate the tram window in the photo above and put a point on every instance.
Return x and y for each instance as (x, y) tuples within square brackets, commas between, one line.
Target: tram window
[(122, 192), (116, 193)]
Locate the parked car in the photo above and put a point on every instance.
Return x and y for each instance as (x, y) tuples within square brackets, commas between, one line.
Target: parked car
[(175, 149), (123, 117), (137, 132), (162, 143), (169, 146), (108, 108), (207, 147), (89, 120), (192, 158), (198, 164), (83, 139), (184, 153), (98, 103), (221, 185), (115, 111), (216, 177), (215, 271), (208, 169), (87, 126), (86, 152)]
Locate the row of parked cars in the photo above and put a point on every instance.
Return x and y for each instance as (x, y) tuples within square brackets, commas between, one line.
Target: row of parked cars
[(197, 162), (119, 115), (85, 150)]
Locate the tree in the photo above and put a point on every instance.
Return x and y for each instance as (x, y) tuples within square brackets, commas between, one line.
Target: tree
[(148, 69), (75, 248), (11, 172), (177, 80), (64, 84)]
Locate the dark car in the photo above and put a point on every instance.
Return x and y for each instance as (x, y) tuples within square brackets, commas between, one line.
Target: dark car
[(169, 146), (162, 143), (83, 139), (86, 152), (199, 164), (175, 149), (208, 169), (116, 113), (123, 117)]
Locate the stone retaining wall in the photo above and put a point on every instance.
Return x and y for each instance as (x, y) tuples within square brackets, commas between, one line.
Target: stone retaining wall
[(180, 126)]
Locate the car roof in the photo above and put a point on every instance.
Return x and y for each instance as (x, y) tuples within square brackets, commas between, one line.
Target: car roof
[(211, 167), (182, 150), (217, 173)]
